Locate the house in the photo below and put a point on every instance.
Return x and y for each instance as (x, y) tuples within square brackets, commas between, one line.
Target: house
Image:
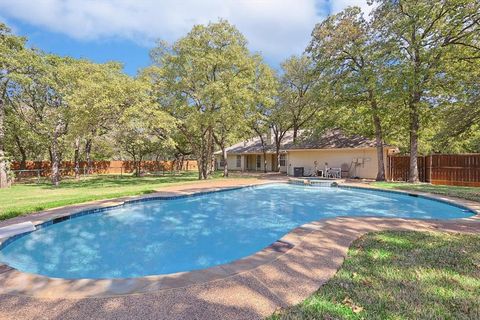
[(354, 154)]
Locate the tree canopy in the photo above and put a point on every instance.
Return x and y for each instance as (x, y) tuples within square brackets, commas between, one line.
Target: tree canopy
[(407, 75)]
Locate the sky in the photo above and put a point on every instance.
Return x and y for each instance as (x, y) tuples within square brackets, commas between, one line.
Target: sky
[(126, 30)]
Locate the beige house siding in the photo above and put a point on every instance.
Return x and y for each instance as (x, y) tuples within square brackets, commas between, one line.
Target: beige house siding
[(305, 158), (231, 161), (335, 158)]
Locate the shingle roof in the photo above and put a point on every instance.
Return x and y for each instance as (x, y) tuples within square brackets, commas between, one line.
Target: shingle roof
[(331, 139)]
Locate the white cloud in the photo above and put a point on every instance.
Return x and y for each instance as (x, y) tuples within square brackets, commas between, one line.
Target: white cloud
[(339, 5), (277, 28)]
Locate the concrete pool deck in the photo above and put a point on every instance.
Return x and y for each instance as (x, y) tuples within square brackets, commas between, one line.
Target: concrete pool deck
[(251, 288)]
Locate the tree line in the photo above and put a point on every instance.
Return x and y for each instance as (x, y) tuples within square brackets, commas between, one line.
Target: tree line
[(407, 75)]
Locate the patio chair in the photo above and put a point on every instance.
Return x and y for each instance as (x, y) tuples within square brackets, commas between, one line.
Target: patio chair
[(334, 173)]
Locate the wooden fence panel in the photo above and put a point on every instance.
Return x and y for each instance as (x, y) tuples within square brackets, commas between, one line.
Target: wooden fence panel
[(445, 169), (103, 167)]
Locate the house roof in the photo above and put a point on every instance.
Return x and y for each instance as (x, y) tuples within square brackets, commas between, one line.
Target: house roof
[(331, 139)]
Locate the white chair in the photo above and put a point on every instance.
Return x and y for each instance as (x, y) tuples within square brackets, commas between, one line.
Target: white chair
[(334, 173)]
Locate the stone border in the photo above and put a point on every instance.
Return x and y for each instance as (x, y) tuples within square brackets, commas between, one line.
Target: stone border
[(14, 282)]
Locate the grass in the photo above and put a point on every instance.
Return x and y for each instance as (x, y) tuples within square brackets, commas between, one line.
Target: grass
[(469, 193), (27, 198), (400, 275)]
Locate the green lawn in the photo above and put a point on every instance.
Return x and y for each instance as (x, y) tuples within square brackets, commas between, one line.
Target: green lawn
[(27, 198), (469, 193), (400, 275)]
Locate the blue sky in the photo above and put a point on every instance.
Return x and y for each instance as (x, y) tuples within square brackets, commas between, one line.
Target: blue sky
[(125, 30)]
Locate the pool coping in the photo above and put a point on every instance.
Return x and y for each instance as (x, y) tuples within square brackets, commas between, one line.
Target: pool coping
[(15, 282)]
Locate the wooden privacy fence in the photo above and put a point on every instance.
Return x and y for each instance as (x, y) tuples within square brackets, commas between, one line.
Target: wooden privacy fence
[(67, 168), (446, 169)]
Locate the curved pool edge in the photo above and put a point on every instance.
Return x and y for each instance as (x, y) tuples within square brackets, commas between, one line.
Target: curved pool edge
[(15, 282)]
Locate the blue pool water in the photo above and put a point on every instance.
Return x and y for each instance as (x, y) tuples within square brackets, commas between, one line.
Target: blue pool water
[(167, 236)]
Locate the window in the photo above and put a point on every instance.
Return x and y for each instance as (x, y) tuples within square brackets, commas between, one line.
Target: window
[(259, 161), (239, 161), (283, 160)]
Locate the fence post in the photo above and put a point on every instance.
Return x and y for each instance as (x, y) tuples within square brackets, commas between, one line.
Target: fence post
[(424, 169), (430, 169), (38, 176), (389, 167)]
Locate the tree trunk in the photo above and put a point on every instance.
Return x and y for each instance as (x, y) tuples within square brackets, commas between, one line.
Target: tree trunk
[(414, 127), (204, 153), (138, 167), (88, 150), (204, 168), (277, 154), (225, 162), (210, 151), (23, 153), (415, 96), (56, 157), (181, 162), (197, 151), (378, 137), (264, 161), (4, 179), (295, 133), (202, 164), (379, 145), (200, 169), (77, 158)]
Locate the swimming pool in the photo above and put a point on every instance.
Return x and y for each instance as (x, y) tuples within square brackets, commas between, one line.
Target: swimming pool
[(166, 236)]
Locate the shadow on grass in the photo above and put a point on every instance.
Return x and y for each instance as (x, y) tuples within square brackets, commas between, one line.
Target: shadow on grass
[(400, 275), (11, 213), (469, 193), (118, 181)]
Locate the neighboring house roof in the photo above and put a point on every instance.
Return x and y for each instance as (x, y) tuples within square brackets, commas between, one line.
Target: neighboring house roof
[(331, 139)]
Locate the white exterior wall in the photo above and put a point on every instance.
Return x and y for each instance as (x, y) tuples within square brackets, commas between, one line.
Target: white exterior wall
[(335, 158)]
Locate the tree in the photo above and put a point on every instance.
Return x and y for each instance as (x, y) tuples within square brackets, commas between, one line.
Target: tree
[(297, 86), (345, 48), (22, 143), (280, 123), (143, 127), (13, 56), (459, 108), (40, 101), (420, 35), (202, 80), (228, 129), (97, 101), (258, 116)]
